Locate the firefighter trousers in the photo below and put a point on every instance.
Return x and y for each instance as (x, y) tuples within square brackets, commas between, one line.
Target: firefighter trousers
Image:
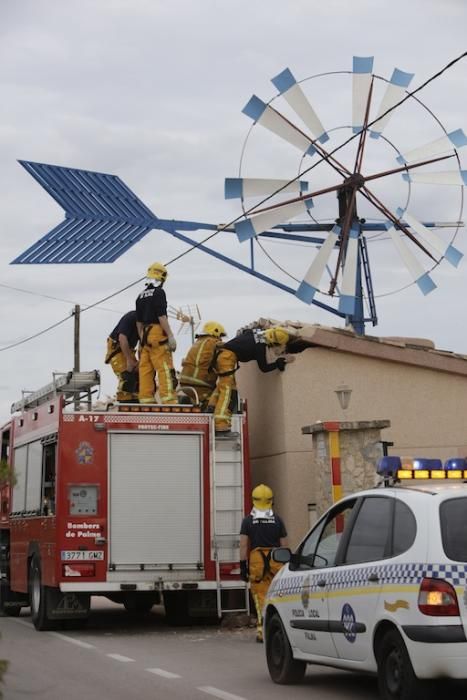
[(224, 397), (156, 360), (127, 388), (262, 571)]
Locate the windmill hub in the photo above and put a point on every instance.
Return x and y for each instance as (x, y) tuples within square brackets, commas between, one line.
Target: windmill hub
[(356, 181)]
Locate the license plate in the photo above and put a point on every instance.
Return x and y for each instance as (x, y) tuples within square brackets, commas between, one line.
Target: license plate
[(70, 555)]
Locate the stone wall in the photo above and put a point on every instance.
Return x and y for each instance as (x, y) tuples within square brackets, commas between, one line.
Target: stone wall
[(343, 458)]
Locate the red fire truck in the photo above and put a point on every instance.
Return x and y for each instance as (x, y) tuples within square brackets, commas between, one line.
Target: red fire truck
[(138, 503)]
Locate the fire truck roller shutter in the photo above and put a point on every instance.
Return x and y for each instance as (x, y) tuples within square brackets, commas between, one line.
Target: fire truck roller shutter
[(155, 499)]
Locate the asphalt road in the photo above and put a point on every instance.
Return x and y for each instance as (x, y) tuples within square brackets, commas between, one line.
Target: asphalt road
[(119, 657)]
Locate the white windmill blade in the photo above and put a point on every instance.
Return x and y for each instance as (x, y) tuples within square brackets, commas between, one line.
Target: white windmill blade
[(291, 91), (310, 283), (395, 92), (455, 139), (361, 81), (416, 270), (253, 226), (244, 187), (263, 114), (445, 250), (349, 277), (445, 177)]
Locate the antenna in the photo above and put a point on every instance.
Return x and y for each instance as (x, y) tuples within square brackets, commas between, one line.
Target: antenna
[(189, 317)]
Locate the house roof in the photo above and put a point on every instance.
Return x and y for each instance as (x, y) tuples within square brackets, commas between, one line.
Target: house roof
[(419, 352)]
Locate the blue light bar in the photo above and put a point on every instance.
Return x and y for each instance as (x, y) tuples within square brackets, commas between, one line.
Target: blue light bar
[(427, 463), (455, 463), (388, 466)]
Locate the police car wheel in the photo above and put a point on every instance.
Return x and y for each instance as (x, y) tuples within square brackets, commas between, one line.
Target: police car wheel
[(283, 668), (396, 677)]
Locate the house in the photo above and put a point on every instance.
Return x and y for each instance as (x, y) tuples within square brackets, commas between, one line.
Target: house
[(420, 389)]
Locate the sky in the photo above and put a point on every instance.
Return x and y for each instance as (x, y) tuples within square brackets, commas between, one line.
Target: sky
[(153, 91)]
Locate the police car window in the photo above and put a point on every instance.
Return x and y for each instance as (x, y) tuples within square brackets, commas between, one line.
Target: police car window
[(405, 529), (320, 548), (371, 532), (454, 528)]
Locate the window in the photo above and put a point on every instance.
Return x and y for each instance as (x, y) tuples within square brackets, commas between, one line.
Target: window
[(370, 536), (453, 515), (320, 548), (405, 529), (49, 454)]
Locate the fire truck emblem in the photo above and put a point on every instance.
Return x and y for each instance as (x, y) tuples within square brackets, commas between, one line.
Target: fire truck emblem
[(84, 453)]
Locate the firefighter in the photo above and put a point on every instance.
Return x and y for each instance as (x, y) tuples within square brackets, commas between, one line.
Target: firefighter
[(259, 533), (248, 345), (156, 338), (198, 366), (121, 356)]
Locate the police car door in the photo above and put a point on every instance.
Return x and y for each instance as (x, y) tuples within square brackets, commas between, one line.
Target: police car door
[(355, 585), (309, 616)]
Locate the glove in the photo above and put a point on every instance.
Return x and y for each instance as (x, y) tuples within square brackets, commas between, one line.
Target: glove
[(281, 363), (172, 343), (244, 574)]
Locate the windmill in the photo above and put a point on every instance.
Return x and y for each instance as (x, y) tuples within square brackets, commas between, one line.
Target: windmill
[(104, 218)]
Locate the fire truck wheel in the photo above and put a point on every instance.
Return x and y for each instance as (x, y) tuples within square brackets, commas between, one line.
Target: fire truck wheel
[(37, 597)]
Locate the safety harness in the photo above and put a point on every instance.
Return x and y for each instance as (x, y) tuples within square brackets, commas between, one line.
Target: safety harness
[(114, 351), (144, 339)]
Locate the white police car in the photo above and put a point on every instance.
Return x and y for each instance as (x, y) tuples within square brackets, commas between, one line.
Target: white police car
[(379, 584)]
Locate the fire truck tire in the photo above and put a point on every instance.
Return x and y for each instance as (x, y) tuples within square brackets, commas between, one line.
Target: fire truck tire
[(176, 608), (38, 597)]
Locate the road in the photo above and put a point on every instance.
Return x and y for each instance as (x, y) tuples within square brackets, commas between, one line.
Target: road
[(119, 657)]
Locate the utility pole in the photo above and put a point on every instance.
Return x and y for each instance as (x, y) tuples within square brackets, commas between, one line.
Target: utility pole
[(76, 314)]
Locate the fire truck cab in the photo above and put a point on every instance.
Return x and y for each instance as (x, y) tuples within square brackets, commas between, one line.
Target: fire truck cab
[(138, 503)]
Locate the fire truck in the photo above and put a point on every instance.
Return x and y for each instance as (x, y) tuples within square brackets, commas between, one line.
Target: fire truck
[(138, 503)]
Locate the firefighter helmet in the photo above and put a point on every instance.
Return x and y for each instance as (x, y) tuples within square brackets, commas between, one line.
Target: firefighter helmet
[(216, 330), (157, 271), (262, 497), (276, 336)]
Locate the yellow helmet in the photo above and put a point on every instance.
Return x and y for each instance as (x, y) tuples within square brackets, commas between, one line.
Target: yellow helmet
[(216, 330), (262, 497), (276, 336), (157, 271)]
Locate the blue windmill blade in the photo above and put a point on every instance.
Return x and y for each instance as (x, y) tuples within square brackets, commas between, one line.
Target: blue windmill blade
[(103, 217)]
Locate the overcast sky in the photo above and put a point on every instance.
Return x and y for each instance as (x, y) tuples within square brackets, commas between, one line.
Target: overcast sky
[(152, 91)]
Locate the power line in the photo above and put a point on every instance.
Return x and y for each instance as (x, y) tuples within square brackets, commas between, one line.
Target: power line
[(49, 296), (252, 209)]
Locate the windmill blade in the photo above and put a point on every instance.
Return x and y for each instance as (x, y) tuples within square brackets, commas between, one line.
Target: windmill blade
[(291, 91), (310, 283), (445, 177), (416, 270), (244, 187), (445, 250), (349, 277), (253, 226), (395, 92), (361, 81), (263, 114), (455, 139)]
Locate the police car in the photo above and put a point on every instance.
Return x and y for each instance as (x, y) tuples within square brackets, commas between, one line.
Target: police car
[(379, 584)]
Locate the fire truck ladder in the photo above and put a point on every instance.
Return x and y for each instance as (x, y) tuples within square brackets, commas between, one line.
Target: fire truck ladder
[(75, 386), (228, 509)]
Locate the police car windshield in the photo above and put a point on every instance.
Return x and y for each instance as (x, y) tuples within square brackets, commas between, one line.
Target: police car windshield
[(453, 514)]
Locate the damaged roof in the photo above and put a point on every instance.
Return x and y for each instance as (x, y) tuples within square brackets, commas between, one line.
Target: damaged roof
[(419, 352)]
